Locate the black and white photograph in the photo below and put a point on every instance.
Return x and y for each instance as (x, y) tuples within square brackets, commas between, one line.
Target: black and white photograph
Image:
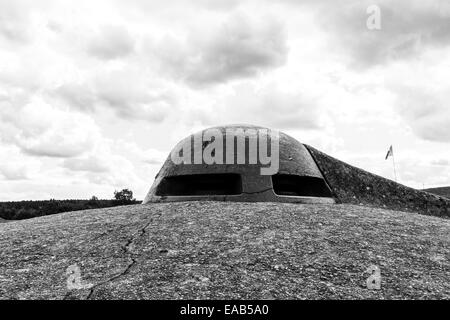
[(221, 156)]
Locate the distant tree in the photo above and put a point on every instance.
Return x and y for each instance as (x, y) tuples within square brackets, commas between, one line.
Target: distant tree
[(93, 202), (124, 196)]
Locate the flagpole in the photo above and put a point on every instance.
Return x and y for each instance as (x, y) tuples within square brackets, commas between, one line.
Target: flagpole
[(393, 162)]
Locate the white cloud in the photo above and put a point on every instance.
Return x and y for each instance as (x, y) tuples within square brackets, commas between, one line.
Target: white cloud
[(408, 28), (150, 156), (14, 21), (273, 107), (86, 164), (133, 95), (43, 130), (240, 47), (104, 166), (422, 93), (426, 112), (128, 92), (16, 166), (441, 162), (80, 96), (13, 172), (111, 42)]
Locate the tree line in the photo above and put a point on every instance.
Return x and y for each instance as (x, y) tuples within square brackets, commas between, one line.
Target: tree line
[(18, 210)]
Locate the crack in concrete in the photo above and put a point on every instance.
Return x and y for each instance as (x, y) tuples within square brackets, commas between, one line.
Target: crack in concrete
[(126, 249)]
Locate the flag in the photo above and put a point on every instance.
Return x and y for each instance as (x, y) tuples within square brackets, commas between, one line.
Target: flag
[(389, 153)]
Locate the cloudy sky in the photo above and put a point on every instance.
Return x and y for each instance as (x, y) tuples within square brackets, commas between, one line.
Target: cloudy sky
[(94, 94)]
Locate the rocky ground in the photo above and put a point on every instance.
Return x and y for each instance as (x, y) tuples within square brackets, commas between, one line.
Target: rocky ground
[(216, 250)]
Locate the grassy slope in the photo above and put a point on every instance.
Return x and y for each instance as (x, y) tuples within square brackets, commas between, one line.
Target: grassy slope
[(442, 191), (227, 250)]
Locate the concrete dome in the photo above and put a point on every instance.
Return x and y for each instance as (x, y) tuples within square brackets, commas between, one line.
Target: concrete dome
[(224, 168)]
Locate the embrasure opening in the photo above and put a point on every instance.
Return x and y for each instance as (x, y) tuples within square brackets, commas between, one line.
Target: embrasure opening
[(300, 186), (200, 184)]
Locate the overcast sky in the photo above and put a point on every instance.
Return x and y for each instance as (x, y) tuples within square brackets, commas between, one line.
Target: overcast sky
[(94, 94)]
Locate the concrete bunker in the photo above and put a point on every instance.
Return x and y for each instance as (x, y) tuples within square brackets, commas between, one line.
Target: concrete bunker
[(227, 164)]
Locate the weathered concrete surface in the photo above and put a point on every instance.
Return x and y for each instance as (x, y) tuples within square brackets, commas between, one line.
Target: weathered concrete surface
[(356, 186), (226, 250)]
